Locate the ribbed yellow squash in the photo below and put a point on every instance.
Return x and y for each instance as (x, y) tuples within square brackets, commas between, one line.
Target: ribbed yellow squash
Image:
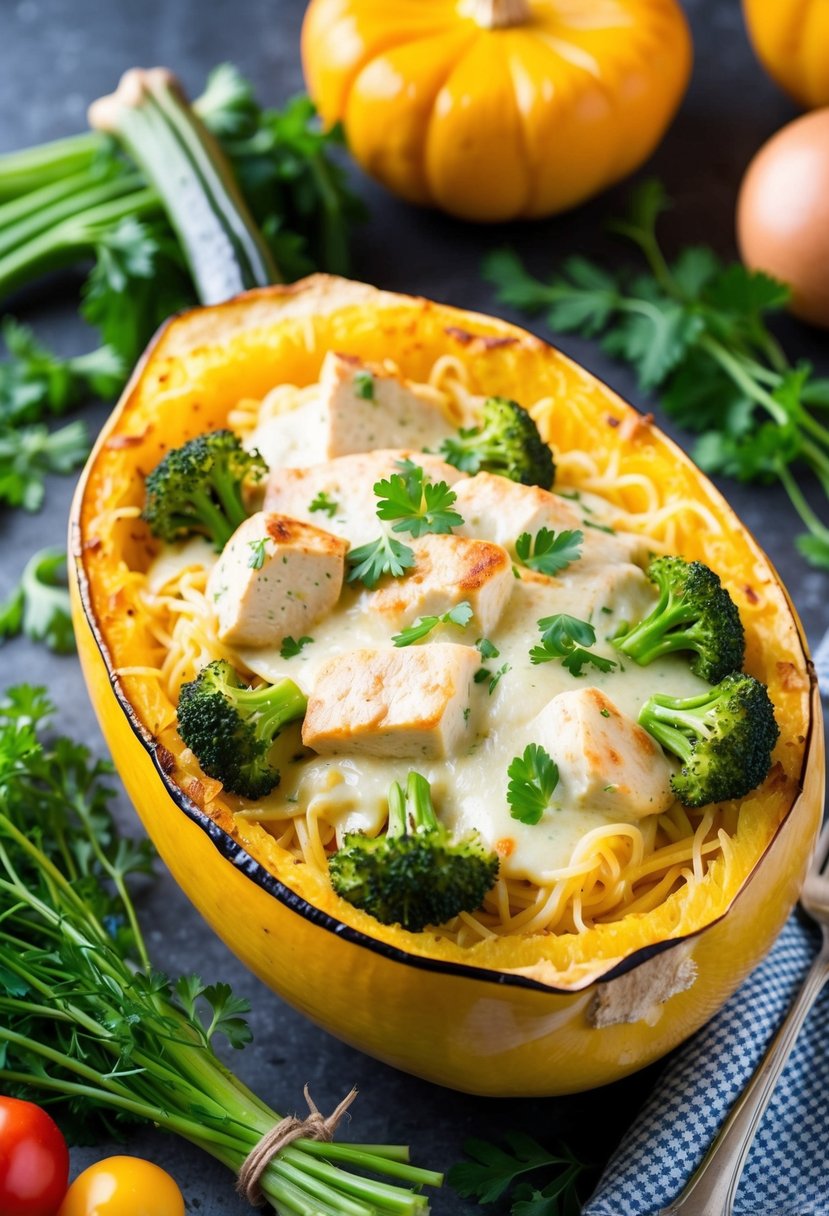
[(791, 38), (533, 1015), (497, 109)]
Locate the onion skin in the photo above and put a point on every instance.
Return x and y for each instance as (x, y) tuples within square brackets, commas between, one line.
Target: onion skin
[(783, 214)]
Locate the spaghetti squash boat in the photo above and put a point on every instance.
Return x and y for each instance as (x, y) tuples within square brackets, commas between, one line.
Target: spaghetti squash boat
[(409, 695)]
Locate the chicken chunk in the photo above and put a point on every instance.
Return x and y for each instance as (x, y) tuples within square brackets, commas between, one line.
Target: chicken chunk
[(448, 570), (358, 407), (500, 510), (406, 703), (495, 508), (606, 761), (275, 577), (342, 491)]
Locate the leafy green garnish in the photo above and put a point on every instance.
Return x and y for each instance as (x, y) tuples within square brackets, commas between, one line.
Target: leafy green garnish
[(368, 563), (324, 502), (364, 385), (291, 647), (39, 606), (483, 674), (696, 330), (460, 615), (35, 383), (29, 453), (487, 649), (258, 552), (549, 552), (416, 505), (492, 1172), (565, 637), (533, 778)]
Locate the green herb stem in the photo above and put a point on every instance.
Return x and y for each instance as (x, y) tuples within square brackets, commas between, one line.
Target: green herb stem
[(77, 203), (29, 169)]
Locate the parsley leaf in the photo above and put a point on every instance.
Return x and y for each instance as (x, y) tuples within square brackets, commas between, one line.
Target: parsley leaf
[(363, 385), (34, 382), (323, 502), (258, 553), (460, 615), (565, 637), (533, 778), (291, 647), (487, 649), (368, 563), (28, 453), (418, 506), (549, 552), (492, 1172)]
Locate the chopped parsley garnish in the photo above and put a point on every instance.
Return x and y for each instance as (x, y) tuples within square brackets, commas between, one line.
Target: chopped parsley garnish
[(460, 615), (368, 563), (487, 649), (548, 552), (364, 385), (565, 637), (483, 674), (416, 505), (533, 778), (323, 502), (291, 647), (258, 552)]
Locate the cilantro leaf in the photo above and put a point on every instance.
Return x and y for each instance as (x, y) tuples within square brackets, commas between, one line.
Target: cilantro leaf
[(549, 552), (291, 647), (565, 637), (368, 563), (460, 615), (324, 502), (416, 505), (533, 779)]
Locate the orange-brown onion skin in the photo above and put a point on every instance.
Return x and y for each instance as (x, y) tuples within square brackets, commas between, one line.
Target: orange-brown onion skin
[(783, 213)]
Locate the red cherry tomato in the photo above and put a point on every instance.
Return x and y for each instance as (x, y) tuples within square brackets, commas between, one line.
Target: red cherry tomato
[(123, 1186), (34, 1160)]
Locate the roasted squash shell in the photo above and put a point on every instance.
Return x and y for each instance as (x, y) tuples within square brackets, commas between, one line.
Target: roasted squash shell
[(513, 1015)]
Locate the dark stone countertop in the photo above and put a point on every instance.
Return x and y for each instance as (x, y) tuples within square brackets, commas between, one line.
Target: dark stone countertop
[(56, 56)]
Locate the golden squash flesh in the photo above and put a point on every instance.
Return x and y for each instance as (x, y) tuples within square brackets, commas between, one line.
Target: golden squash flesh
[(529, 1015)]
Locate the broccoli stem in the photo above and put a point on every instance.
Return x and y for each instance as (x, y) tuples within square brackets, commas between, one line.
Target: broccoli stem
[(673, 724), (274, 704), (414, 809)]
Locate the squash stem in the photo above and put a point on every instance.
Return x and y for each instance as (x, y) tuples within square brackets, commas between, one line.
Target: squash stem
[(224, 248)]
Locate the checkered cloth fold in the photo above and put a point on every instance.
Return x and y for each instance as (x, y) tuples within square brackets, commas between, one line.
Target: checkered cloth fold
[(787, 1171)]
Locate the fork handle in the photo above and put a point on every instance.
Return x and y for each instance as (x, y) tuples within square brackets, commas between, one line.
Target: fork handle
[(712, 1188)]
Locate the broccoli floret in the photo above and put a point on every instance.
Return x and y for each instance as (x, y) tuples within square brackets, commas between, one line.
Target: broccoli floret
[(507, 442), (197, 488), (724, 738), (694, 612), (414, 875), (231, 728)]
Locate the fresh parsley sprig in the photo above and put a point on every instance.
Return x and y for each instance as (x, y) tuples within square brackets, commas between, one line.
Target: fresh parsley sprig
[(696, 330), (416, 505), (493, 1172), (325, 503), (460, 615), (368, 563), (549, 552), (38, 607), (533, 778), (291, 647), (566, 637)]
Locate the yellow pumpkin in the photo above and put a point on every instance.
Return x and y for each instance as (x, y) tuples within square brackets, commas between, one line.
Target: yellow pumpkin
[(791, 39), (497, 109), (526, 1015)]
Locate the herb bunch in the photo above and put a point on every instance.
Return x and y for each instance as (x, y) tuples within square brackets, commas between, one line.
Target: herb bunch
[(696, 330), (87, 1023), (493, 1173)]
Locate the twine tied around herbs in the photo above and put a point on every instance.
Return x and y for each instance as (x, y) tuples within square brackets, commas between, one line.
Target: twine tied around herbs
[(315, 1126)]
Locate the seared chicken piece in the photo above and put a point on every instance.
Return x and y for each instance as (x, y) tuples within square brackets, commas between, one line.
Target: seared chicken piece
[(447, 570), (606, 761), (498, 509), (347, 485), (275, 577), (406, 703), (359, 407)]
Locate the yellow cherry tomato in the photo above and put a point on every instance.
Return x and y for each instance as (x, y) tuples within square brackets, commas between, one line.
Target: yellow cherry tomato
[(123, 1186)]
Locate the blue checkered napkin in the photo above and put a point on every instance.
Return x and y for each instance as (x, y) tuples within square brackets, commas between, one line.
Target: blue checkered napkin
[(787, 1172)]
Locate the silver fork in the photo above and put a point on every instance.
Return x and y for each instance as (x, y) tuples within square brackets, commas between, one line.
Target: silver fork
[(712, 1189)]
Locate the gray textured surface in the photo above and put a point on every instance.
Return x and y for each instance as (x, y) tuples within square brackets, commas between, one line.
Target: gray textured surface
[(56, 55)]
